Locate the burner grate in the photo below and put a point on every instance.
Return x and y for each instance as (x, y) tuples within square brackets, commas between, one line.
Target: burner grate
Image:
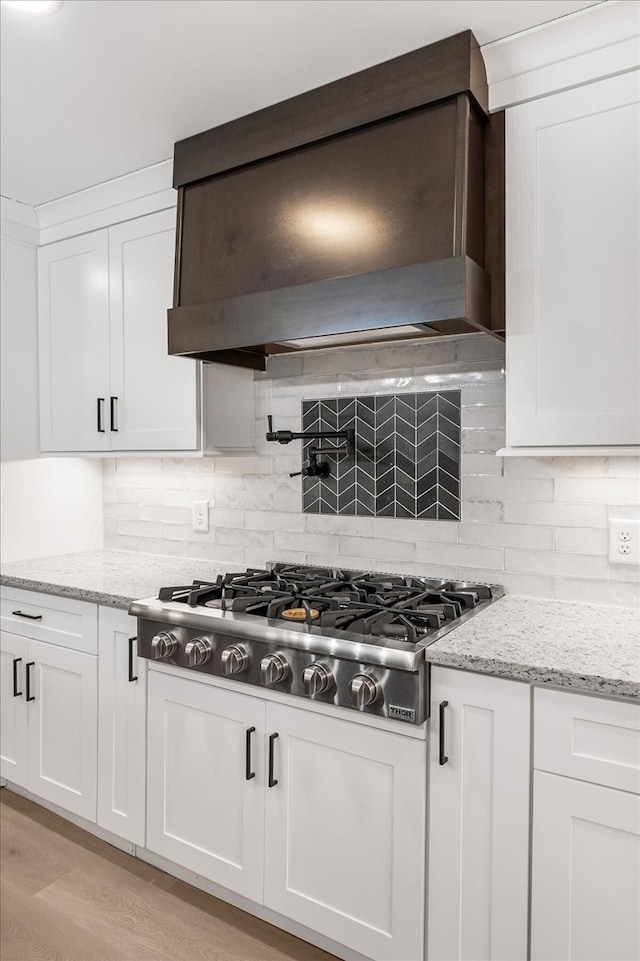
[(366, 603)]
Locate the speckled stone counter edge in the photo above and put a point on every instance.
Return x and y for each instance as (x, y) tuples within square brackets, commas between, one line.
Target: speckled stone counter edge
[(64, 590), (580, 683), (587, 684)]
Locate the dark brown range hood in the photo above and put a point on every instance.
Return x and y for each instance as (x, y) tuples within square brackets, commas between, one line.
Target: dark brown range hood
[(367, 210)]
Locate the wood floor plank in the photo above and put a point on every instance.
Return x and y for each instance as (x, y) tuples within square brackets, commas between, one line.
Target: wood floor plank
[(28, 934), (61, 880), (46, 837)]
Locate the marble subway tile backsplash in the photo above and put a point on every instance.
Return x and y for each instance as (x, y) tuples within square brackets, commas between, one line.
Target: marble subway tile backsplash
[(536, 525)]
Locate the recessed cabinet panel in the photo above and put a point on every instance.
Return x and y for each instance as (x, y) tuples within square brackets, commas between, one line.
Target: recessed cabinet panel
[(73, 285), (573, 247), (62, 728), (13, 708), (586, 872), (122, 725), (478, 817), (345, 822), (203, 812), (344, 775), (154, 395)]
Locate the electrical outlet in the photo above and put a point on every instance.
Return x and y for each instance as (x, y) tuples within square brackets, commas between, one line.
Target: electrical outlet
[(200, 515), (624, 538)]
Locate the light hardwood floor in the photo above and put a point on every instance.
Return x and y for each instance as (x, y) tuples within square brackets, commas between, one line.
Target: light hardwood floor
[(67, 896)]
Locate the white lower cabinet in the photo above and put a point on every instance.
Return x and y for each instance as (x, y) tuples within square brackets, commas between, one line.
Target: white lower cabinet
[(478, 875), (319, 819), (49, 716), (586, 836), (345, 832), (205, 811), (586, 872), (14, 747), (122, 725)]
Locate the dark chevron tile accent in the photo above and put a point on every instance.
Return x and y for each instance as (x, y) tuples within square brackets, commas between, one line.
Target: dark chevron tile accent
[(407, 459)]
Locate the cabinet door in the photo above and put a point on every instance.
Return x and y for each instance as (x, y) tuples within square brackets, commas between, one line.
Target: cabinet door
[(13, 708), (478, 875), (63, 727), (345, 832), (573, 247), (203, 810), (73, 309), (154, 395), (122, 726), (586, 871)]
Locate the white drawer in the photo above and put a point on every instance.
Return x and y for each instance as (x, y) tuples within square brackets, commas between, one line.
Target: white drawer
[(588, 738), (47, 617)]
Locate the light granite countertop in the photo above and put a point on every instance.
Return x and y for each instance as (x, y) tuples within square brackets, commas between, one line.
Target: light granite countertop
[(584, 647), (113, 578)]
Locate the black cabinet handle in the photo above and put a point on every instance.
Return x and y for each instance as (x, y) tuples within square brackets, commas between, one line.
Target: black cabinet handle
[(30, 617), (28, 676), (272, 780), (112, 413), (100, 405), (443, 757), (16, 692), (132, 676), (249, 774)]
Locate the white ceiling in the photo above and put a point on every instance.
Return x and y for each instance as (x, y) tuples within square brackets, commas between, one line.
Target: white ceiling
[(106, 87)]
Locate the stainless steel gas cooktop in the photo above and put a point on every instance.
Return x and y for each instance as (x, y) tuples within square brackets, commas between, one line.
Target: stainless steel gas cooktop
[(343, 637)]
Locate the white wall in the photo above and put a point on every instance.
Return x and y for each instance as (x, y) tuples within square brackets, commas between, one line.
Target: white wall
[(48, 505)]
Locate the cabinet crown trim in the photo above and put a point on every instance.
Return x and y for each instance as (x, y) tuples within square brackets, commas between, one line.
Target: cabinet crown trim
[(590, 44), (136, 194)]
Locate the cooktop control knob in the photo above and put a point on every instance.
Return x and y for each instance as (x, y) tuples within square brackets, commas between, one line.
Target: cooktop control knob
[(274, 668), (365, 690), (197, 652), (163, 645), (235, 659), (317, 679)]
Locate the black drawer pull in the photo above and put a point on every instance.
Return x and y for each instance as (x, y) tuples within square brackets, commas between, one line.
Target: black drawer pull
[(443, 757), (272, 780), (28, 676), (112, 414), (132, 676), (30, 617), (100, 406), (249, 774), (16, 692)]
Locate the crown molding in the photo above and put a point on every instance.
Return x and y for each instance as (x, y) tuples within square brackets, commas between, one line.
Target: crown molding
[(592, 44), (134, 195), (18, 222)]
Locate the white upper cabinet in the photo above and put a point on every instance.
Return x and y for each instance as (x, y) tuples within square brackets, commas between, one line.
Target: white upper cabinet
[(73, 287), (154, 394), (573, 249), (106, 379)]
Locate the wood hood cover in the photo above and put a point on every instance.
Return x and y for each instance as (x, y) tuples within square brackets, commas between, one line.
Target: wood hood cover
[(367, 210)]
